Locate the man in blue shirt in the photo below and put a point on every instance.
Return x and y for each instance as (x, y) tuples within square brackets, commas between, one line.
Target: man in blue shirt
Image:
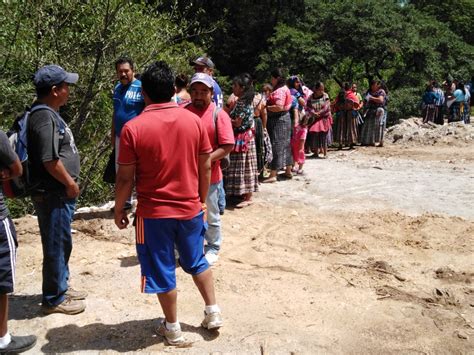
[(128, 103)]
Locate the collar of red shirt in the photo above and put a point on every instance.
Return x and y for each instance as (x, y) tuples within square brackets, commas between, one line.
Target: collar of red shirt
[(160, 106)]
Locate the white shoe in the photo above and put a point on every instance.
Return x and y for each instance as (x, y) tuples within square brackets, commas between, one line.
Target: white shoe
[(211, 258), (173, 337), (212, 320)]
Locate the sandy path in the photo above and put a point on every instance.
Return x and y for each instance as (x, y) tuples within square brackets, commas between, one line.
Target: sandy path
[(385, 267)]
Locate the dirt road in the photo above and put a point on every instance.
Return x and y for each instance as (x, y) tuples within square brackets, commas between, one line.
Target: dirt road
[(370, 252)]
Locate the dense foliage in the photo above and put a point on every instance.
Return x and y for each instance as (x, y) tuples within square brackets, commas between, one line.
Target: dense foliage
[(404, 43)]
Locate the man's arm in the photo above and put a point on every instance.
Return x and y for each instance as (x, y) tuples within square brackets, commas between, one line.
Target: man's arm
[(204, 175), (57, 170), (263, 116), (14, 169), (123, 190), (221, 152)]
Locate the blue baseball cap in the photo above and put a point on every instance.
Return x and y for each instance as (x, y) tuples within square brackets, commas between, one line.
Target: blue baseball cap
[(51, 75), (202, 78)]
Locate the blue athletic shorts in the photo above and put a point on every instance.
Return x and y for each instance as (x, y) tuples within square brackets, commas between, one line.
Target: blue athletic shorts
[(156, 240), (8, 245)]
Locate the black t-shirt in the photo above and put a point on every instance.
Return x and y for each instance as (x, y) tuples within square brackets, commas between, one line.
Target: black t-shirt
[(49, 138), (7, 158)]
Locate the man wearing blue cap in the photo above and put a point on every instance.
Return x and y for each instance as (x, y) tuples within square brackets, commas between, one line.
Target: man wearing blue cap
[(55, 169)]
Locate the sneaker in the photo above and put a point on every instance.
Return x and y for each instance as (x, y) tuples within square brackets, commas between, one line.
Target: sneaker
[(211, 258), (19, 344), (173, 337), (68, 306), (76, 294), (212, 320)]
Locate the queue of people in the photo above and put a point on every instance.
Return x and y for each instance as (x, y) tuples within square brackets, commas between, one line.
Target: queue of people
[(162, 128), (453, 101)]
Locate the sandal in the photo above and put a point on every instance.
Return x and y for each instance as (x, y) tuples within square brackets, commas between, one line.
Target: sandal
[(244, 203), (270, 180), (288, 175), (241, 204), (300, 172)]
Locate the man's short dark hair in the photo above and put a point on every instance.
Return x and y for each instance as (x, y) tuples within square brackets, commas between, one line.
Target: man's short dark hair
[(43, 92), (158, 82), (124, 60)]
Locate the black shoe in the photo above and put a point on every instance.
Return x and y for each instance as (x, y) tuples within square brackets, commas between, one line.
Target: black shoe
[(19, 344), (221, 212)]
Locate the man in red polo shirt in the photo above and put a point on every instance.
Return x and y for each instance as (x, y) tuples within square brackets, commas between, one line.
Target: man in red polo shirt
[(219, 130), (166, 150)]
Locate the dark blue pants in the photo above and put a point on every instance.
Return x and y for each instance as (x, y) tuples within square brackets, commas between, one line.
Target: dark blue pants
[(54, 218)]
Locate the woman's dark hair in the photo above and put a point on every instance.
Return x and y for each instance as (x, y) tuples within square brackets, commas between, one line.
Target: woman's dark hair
[(292, 80), (158, 82), (341, 96), (267, 86), (346, 86), (277, 73), (317, 85), (246, 83), (124, 60), (372, 83), (384, 87), (181, 81)]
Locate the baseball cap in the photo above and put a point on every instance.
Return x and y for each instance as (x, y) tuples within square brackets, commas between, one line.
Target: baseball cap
[(51, 75), (202, 78), (207, 62)]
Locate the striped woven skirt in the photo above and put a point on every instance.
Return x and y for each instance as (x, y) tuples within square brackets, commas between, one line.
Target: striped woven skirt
[(241, 176), (346, 132), (439, 118), (259, 144), (279, 130), (429, 113), (372, 128)]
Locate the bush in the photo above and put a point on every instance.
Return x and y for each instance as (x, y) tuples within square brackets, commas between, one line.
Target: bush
[(403, 103)]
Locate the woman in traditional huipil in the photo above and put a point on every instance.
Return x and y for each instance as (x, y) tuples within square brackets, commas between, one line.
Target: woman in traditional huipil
[(279, 126)]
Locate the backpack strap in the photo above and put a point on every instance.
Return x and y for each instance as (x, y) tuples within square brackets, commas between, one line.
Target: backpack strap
[(58, 121), (215, 115), (46, 107)]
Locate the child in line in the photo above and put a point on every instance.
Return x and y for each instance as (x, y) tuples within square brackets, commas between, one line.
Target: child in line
[(297, 144)]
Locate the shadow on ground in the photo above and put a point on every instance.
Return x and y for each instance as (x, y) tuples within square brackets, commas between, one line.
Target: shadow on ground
[(24, 307), (127, 336)]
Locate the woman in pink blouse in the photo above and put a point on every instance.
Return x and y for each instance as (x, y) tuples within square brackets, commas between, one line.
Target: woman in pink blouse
[(279, 126)]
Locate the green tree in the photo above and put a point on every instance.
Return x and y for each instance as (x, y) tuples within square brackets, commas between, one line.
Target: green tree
[(84, 37), (357, 41)]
